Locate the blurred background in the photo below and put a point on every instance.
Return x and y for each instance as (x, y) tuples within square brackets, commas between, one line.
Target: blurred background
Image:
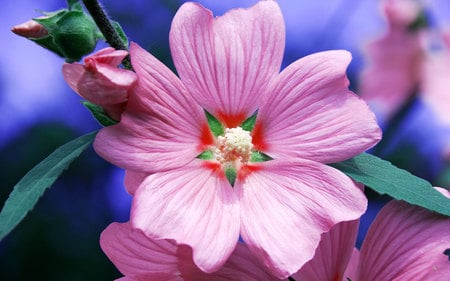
[(401, 66)]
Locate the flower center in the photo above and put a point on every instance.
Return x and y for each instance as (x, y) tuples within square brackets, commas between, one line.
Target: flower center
[(234, 147)]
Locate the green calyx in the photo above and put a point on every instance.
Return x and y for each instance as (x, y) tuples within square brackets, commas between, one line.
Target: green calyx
[(71, 33), (231, 174)]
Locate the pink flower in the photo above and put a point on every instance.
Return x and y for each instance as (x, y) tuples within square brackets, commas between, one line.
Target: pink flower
[(404, 242), (100, 81), (141, 258), (393, 71), (306, 118)]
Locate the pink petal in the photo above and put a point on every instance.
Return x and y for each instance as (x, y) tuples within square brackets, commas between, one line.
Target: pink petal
[(352, 267), (107, 85), (392, 72), (406, 242), (30, 29), (192, 206), (286, 206), (227, 61), (162, 127), (333, 254), (99, 80), (436, 84), (133, 180), (242, 266), (311, 114), (107, 55), (134, 254)]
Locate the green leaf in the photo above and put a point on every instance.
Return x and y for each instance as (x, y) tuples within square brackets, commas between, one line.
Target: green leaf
[(385, 178), (258, 156), (214, 125), (206, 155), (28, 190), (230, 173), (249, 123), (99, 114)]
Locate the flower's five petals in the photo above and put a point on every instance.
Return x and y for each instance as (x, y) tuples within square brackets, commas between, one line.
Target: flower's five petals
[(311, 114), (286, 206), (193, 206), (227, 61), (162, 127)]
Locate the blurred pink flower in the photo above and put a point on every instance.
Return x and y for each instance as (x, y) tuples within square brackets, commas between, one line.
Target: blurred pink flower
[(141, 258), (435, 87), (394, 60), (100, 81), (306, 118), (404, 242)]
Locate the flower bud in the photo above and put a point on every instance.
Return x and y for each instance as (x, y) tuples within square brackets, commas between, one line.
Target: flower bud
[(70, 34), (100, 81)]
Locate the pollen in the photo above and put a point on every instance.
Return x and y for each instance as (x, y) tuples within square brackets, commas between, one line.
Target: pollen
[(234, 146)]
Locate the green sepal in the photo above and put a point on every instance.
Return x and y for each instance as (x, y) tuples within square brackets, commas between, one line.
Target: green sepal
[(119, 30), (214, 125), (99, 114), (71, 33), (32, 186), (384, 178), (206, 155), (230, 173), (74, 5), (258, 156), (249, 123)]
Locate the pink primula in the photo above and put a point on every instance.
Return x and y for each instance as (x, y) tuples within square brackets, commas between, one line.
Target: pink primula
[(141, 258), (404, 242), (206, 190), (393, 70), (100, 81)]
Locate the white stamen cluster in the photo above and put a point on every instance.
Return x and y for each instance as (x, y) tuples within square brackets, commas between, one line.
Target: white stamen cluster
[(235, 144)]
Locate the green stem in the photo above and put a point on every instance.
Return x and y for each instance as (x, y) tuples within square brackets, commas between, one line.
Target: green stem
[(107, 29)]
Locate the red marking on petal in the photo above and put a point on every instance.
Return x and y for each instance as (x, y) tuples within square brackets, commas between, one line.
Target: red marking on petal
[(206, 137), (258, 137), (247, 169), (216, 167), (231, 121)]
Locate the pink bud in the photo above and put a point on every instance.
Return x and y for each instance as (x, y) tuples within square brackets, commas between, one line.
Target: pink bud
[(30, 29), (100, 81)]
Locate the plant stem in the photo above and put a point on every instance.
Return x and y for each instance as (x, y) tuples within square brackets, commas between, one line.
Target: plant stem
[(107, 29)]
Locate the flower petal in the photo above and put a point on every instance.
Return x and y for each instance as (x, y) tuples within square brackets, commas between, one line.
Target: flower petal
[(134, 254), (227, 61), (193, 206), (333, 254), (286, 206), (133, 180), (243, 266), (406, 242), (99, 80), (311, 114), (162, 127)]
